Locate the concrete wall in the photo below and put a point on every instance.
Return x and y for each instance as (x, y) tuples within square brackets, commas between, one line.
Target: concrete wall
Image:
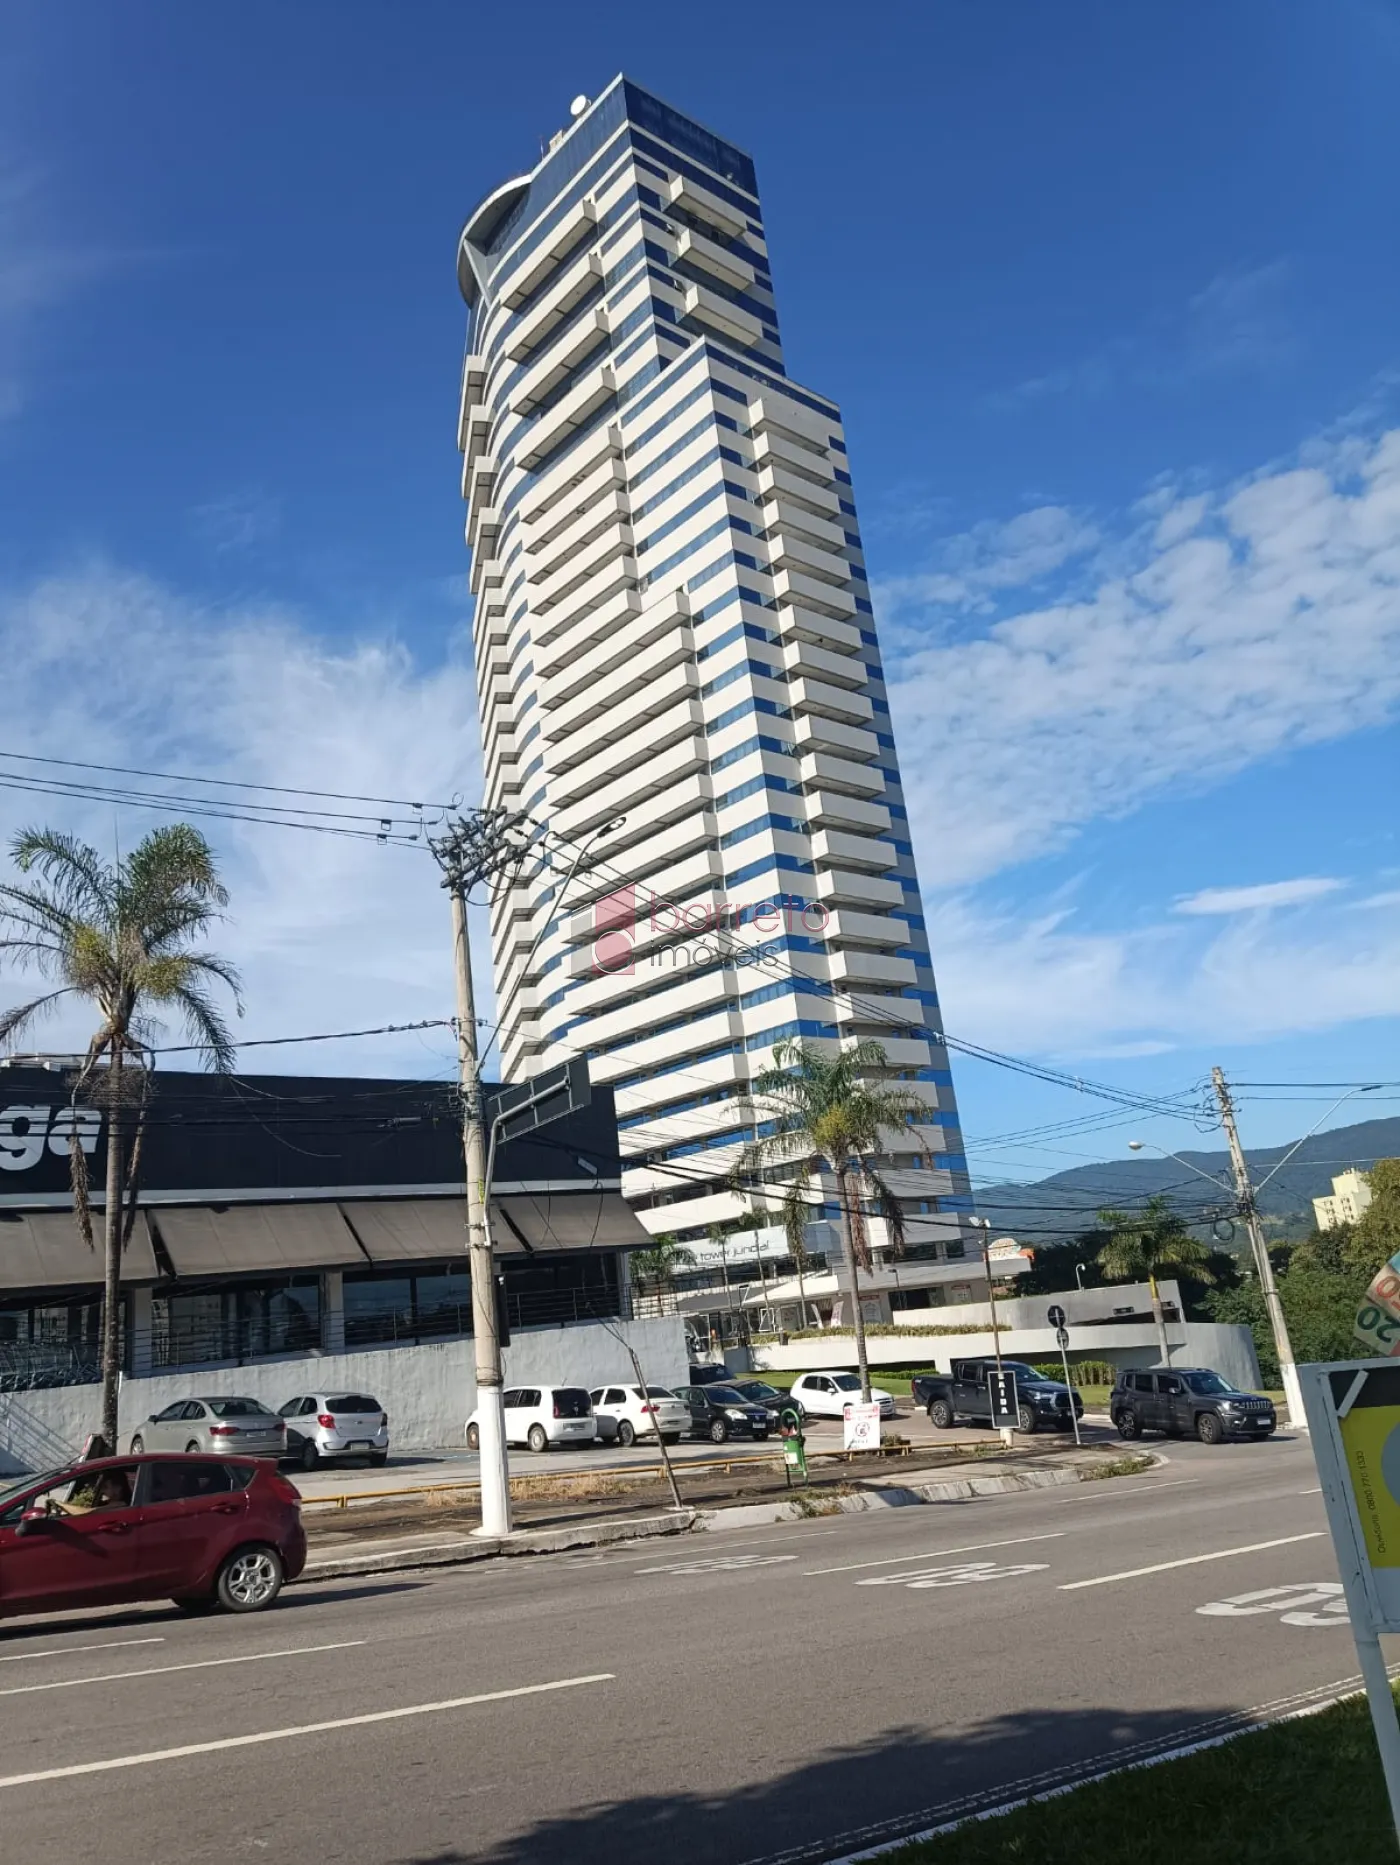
[(427, 1391), (1229, 1349), (1081, 1306)]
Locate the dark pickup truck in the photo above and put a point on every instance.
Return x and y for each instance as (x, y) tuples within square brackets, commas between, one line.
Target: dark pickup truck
[(965, 1393)]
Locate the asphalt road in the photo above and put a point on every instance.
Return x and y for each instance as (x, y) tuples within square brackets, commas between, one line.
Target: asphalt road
[(778, 1695)]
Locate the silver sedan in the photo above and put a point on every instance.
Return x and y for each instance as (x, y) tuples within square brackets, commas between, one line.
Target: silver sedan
[(221, 1425)]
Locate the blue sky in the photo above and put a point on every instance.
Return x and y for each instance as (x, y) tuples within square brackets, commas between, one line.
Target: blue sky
[(1109, 296)]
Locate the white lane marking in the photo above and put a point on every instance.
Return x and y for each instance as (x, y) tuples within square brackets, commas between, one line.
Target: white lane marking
[(1316, 1490), (933, 1554), (1102, 1491), (165, 1670), (1191, 1560), (283, 1735), (721, 1564), (960, 1576), (62, 1651), (1290, 1602)]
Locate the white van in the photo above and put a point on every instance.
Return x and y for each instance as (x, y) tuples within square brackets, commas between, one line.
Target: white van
[(539, 1416)]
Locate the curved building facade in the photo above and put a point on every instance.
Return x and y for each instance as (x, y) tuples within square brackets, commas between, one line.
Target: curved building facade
[(673, 628)]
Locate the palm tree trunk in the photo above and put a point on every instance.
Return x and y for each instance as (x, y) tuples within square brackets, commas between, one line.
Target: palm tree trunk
[(1160, 1320), (112, 1217), (848, 1238)]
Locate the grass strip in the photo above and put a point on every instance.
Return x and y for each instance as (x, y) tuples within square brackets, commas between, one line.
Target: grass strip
[(1304, 1792)]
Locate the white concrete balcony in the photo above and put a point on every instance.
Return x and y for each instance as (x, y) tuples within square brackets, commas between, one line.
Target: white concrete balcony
[(803, 660), (717, 1072), (606, 514), (614, 799), (905, 1051), (778, 484), (829, 809), (580, 223), (583, 662), (729, 267), (822, 631), (566, 476), (483, 529), (775, 413), (795, 589), (613, 1008), (859, 968), (593, 492), (473, 385), (485, 574), (837, 848), (576, 620), (659, 1052), (676, 863), (842, 887), (559, 360), (706, 307), (829, 702), (869, 1009), (774, 448), (476, 443), (784, 517), (697, 1123), (616, 574), (607, 554), (642, 671), (552, 429), (788, 551), (866, 929), (570, 287), (814, 733), (664, 828), (481, 481), (615, 746), (841, 775), (700, 204)]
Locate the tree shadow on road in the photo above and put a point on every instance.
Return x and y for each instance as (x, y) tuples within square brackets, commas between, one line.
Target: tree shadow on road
[(842, 1800)]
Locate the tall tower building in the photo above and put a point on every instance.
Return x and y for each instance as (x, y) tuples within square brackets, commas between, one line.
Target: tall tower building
[(673, 626)]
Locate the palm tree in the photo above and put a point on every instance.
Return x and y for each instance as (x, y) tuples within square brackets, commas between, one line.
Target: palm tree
[(118, 934), (818, 1108), (1151, 1243), (659, 1263)]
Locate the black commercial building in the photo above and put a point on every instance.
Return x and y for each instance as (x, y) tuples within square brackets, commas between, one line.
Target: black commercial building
[(282, 1214)]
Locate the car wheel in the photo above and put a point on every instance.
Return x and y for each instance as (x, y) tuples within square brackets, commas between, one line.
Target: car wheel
[(626, 1436), (308, 1456), (538, 1439), (1128, 1426), (719, 1431), (473, 1438), (192, 1449), (378, 1459), (249, 1579), (138, 1444), (941, 1414), (1209, 1428), (194, 1605), (1025, 1419)]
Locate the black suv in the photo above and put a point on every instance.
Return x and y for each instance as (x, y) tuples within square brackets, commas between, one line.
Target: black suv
[(1188, 1401), (717, 1412)]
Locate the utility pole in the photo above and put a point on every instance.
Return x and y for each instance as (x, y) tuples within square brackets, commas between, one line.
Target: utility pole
[(472, 850), (1244, 1193)]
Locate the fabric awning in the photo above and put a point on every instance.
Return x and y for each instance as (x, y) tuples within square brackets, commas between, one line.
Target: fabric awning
[(546, 1221), (43, 1250), (398, 1230), (208, 1241)]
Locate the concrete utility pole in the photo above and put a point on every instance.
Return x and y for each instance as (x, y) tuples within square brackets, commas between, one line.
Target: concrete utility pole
[(477, 849), (1244, 1193)]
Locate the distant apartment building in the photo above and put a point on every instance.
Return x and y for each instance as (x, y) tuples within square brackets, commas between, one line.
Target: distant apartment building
[(1351, 1194), (673, 628)]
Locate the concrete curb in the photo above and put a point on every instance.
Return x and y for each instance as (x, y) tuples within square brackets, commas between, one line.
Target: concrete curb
[(525, 1541), (890, 1496)]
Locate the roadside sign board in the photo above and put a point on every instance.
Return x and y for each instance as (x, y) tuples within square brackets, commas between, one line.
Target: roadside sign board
[(861, 1428), (1378, 1319), (1006, 1405), (1056, 1316), (1353, 1410), (1062, 1338), (520, 1107)]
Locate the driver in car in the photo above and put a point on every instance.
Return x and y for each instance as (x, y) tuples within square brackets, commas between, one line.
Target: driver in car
[(110, 1490)]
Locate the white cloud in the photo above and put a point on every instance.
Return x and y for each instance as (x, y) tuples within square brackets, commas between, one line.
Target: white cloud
[(37, 272), (1272, 621), (330, 933), (1221, 900), (973, 567)]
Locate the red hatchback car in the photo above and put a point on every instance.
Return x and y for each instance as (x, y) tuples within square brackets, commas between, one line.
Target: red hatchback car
[(203, 1531)]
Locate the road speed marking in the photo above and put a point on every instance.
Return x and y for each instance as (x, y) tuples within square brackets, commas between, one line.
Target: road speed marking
[(719, 1564), (965, 1574), (1191, 1560), (1313, 1603)]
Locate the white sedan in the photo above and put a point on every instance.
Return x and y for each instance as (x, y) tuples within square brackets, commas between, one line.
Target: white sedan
[(826, 1395), (626, 1413)]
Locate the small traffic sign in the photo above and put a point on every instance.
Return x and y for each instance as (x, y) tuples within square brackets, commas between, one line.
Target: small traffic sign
[(1062, 1337), (1056, 1317), (1005, 1401)]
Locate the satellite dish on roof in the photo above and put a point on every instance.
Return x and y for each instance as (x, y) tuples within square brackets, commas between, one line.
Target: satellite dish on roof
[(578, 106)]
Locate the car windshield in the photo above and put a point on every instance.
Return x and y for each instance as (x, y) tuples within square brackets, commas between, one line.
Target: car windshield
[(658, 1392), (725, 1395), (12, 1486), (1028, 1375), (756, 1389), (238, 1408), (845, 1382), (1210, 1385)]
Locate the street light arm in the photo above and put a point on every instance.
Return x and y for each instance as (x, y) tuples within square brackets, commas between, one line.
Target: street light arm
[(1221, 1184), (1369, 1088)]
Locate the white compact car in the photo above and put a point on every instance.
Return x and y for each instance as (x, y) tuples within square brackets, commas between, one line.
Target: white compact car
[(541, 1416), (327, 1425), (826, 1395), (626, 1413)]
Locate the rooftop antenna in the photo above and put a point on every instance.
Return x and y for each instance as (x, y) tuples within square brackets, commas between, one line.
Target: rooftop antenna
[(578, 106)]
